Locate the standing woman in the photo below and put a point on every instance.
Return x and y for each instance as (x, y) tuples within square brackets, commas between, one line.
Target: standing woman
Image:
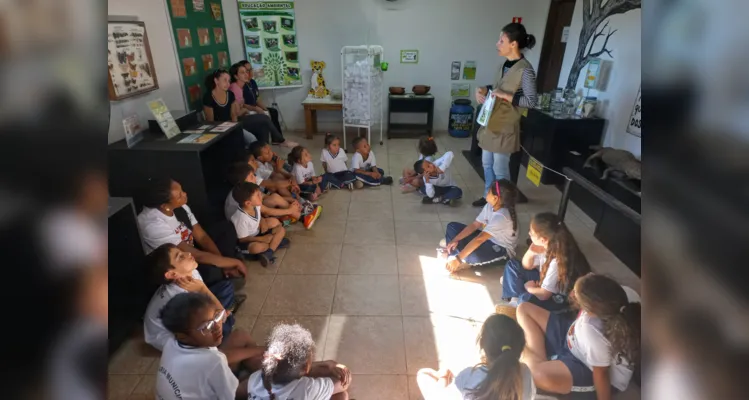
[(514, 90), (254, 113)]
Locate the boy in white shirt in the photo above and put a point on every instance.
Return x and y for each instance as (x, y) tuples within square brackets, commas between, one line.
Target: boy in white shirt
[(439, 185), (364, 165), (191, 365), (259, 236)]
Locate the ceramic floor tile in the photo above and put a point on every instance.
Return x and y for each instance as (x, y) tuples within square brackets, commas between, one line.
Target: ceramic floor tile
[(300, 295), (413, 389), (133, 357), (146, 387), (418, 233), (378, 387), (445, 296), (336, 195), (367, 295), (420, 260), (367, 345), (317, 325), (328, 230), (370, 210), (256, 288), (304, 259), (370, 231), (119, 387), (430, 343), (369, 259), (414, 211), (373, 194)]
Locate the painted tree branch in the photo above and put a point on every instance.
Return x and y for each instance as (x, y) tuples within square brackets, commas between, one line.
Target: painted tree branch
[(594, 13)]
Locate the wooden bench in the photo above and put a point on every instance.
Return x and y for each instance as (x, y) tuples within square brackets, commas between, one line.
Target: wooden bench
[(311, 106)]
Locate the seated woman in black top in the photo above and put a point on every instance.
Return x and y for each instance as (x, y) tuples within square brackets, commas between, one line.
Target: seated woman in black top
[(218, 102), (264, 120)]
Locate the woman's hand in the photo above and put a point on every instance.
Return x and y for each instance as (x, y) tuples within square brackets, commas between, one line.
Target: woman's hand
[(451, 246), (502, 96), (480, 95)]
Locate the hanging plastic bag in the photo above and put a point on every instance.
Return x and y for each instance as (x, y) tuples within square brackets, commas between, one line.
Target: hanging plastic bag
[(486, 110)]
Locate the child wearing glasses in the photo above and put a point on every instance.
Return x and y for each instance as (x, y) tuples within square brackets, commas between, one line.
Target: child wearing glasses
[(192, 365)]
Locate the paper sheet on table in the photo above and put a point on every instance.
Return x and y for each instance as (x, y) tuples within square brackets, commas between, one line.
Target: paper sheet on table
[(486, 110)]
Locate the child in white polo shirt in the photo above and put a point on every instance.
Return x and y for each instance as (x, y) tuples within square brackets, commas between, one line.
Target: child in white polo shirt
[(334, 159), (260, 236), (439, 185)]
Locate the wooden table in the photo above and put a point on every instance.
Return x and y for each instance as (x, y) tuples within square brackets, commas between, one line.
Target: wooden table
[(311, 105)]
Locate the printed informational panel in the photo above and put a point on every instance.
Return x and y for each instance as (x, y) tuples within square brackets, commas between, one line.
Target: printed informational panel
[(200, 35), (635, 120), (271, 43), (129, 60)]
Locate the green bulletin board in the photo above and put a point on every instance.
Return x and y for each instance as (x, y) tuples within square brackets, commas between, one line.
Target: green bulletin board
[(200, 35)]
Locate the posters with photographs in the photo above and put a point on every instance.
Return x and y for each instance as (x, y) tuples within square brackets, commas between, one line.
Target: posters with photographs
[(164, 118), (202, 46), (129, 61), (271, 43), (455, 71), (469, 70), (178, 8), (460, 90), (133, 130)]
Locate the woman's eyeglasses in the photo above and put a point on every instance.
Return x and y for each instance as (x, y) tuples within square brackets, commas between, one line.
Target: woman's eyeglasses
[(209, 326)]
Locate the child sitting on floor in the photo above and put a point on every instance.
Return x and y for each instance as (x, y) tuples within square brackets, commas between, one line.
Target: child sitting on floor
[(334, 163), (595, 350), (289, 373), (439, 186), (411, 181), (549, 268), (364, 165), (262, 236), (191, 365), (499, 375), (303, 171)]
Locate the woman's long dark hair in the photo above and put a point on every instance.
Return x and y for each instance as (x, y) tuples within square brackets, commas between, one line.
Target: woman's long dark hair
[(571, 262), (210, 82), (508, 197), (606, 299), (290, 348), (501, 341), (516, 33), (233, 72)]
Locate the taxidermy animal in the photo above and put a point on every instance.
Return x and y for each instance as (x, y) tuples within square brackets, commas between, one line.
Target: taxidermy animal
[(616, 160)]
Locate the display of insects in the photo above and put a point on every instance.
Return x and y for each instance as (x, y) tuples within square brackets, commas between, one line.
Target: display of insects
[(130, 64)]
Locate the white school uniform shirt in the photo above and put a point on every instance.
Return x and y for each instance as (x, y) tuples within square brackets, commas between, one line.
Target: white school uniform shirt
[(471, 378), (264, 171), (304, 388), (358, 161), (154, 331), (157, 228), (301, 173), (230, 205), (587, 343), (428, 158), (190, 373), (551, 280), (335, 162), (498, 224), (245, 224), (445, 178)]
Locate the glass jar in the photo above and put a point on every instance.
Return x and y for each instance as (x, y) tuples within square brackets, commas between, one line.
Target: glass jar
[(589, 105)]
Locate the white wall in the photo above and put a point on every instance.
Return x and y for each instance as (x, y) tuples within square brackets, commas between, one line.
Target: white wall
[(616, 102), (442, 30), (154, 14)]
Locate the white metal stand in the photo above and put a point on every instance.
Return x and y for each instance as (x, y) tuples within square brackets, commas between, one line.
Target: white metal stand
[(362, 88)]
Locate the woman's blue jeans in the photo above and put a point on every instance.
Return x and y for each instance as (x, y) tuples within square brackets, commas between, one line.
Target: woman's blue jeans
[(496, 166)]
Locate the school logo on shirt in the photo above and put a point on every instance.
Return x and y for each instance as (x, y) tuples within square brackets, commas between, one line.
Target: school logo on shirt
[(185, 234)]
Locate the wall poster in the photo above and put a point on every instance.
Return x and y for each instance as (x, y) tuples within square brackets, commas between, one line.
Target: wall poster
[(129, 61), (271, 43), (635, 120), (200, 33)]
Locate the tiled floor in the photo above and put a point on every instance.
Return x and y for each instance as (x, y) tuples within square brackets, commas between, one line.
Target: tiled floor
[(365, 282)]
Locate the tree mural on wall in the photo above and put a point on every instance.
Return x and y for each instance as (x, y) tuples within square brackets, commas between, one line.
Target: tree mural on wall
[(275, 68), (594, 13)]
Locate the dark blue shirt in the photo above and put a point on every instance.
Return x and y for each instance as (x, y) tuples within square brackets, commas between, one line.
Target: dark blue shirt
[(250, 92)]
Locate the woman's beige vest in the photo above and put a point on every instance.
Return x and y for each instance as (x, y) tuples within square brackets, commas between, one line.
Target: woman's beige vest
[(502, 133)]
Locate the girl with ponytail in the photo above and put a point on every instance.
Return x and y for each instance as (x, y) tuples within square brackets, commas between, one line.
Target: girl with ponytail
[(597, 351), (289, 373), (491, 237), (549, 268), (499, 375)]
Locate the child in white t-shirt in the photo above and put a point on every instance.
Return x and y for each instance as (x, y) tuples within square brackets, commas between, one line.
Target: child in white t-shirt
[(273, 204), (492, 237), (549, 268), (439, 185), (502, 341), (333, 159), (259, 236), (364, 165), (288, 372), (303, 171), (411, 181), (191, 365), (600, 348)]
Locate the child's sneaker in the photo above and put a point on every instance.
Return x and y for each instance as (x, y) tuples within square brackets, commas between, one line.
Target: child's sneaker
[(285, 243), (310, 219), (387, 180), (286, 220), (451, 202), (358, 185), (266, 258), (427, 200)]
